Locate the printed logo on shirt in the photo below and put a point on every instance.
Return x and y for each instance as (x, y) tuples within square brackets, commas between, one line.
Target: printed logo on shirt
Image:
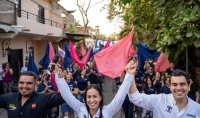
[(169, 109), (84, 116), (191, 116), (33, 105), (12, 107)]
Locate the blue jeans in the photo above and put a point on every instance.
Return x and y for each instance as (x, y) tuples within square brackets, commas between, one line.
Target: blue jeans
[(128, 108), (80, 97)]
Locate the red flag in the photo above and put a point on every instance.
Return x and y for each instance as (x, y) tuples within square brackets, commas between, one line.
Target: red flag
[(132, 52), (107, 44), (82, 50), (162, 63), (112, 60), (86, 57), (75, 56), (51, 52)]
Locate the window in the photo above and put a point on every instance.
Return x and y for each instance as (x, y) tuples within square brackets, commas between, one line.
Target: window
[(41, 14), (18, 7)]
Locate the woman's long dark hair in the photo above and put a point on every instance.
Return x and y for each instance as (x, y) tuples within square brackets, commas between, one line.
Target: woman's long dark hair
[(98, 88), (4, 65)]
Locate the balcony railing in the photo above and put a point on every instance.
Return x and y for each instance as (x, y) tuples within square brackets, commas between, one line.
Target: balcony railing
[(39, 19)]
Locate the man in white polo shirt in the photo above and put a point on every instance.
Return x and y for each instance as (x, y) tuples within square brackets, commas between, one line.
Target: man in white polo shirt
[(175, 105)]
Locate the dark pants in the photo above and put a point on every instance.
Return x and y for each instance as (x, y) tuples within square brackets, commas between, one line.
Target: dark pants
[(49, 113), (128, 109), (1, 88)]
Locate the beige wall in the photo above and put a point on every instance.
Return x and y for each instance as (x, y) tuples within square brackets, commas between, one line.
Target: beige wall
[(38, 28), (19, 42), (32, 7), (29, 6)]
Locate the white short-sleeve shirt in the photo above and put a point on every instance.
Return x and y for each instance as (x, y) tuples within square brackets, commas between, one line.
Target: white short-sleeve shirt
[(164, 106)]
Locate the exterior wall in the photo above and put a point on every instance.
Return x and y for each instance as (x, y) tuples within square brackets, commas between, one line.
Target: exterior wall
[(38, 28), (19, 42), (39, 49), (68, 20), (29, 18)]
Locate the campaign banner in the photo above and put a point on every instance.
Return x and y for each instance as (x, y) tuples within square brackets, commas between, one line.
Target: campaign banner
[(103, 42)]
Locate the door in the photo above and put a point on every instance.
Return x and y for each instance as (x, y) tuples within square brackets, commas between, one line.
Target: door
[(16, 61)]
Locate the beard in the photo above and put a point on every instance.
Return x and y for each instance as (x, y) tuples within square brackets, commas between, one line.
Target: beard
[(25, 94)]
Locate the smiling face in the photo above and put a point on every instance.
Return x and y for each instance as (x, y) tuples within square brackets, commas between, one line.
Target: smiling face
[(93, 99), (149, 82), (26, 85), (179, 87)]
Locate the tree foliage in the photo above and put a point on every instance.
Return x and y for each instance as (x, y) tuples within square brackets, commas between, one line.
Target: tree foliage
[(72, 28), (166, 25)]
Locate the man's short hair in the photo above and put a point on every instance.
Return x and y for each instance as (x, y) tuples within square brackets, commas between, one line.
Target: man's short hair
[(29, 73), (178, 72)]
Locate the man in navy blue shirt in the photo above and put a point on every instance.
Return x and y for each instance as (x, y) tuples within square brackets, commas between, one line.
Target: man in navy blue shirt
[(169, 70), (92, 74), (27, 103), (150, 73)]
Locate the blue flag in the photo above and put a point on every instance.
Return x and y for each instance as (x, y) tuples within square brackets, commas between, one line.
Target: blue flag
[(44, 62), (100, 48), (143, 54), (67, 57), (31, 65)]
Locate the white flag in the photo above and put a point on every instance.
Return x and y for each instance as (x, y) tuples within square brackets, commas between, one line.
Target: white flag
[(61, 52)]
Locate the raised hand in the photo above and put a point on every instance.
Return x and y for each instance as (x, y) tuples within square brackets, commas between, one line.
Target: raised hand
[(131, 67)]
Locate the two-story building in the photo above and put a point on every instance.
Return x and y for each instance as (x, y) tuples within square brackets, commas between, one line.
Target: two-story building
[(30, 24)]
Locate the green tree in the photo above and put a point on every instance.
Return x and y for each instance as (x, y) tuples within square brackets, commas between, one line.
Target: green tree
[(170, 26), (72, 28)]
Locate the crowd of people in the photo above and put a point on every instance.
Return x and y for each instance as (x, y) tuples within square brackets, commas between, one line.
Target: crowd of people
[(79, 91)]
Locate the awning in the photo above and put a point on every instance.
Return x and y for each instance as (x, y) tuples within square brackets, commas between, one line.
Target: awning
[(7, 31), (6, 28)]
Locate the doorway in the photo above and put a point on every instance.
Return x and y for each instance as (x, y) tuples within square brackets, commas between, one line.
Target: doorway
[(15, 58)]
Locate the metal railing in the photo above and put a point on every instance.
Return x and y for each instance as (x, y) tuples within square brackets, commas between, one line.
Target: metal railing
[(28, 15)]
